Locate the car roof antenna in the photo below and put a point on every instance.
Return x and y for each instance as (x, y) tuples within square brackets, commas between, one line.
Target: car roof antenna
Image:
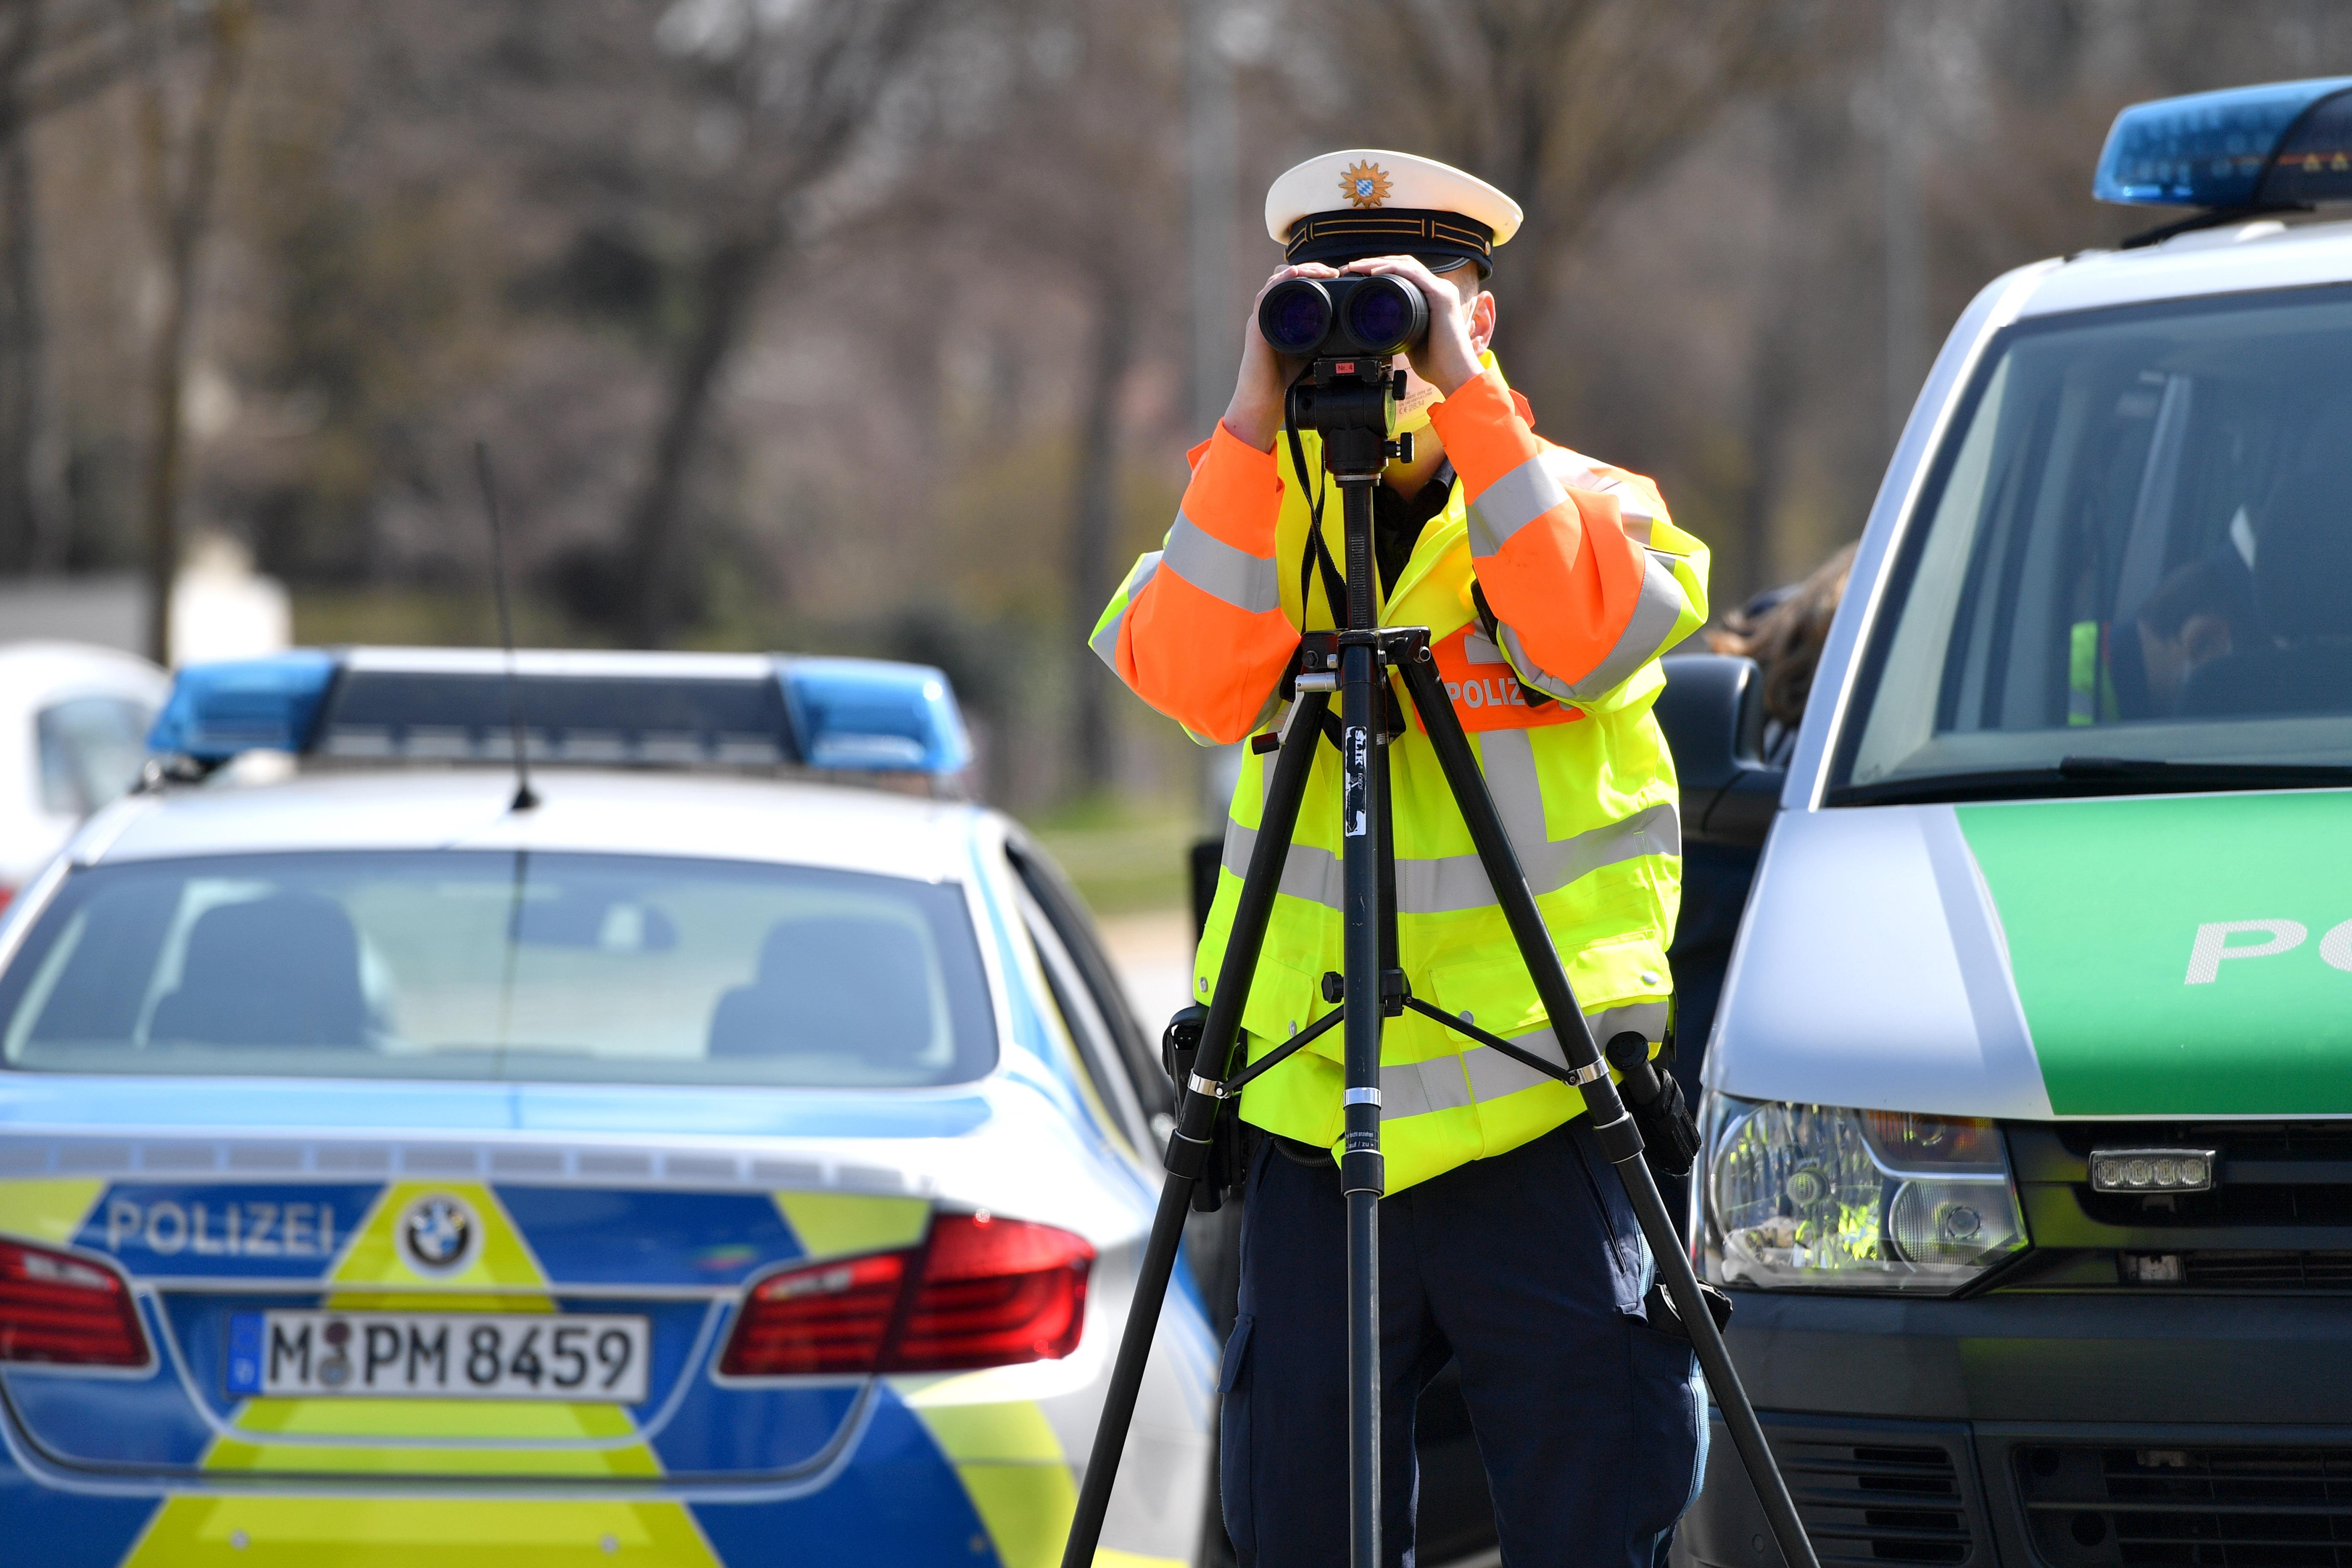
[(525, 799)]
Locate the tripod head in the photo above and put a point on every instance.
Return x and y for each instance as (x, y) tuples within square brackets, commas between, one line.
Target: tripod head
[(1351, 403)]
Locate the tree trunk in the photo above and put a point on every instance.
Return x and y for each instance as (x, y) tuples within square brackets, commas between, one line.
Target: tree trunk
[(728, 281), (1093, 526), (177, 173), (21, 534)]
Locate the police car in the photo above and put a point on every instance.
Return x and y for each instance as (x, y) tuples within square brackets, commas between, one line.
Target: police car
[(679, 1159), (2029, 1130)]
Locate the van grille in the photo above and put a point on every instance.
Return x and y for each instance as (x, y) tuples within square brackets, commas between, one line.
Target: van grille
[(1878, 1503), (2270, 1175), (2268, 1271), (2272, 1507)]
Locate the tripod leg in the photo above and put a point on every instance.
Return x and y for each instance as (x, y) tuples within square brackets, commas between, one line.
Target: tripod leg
[(1188, 1145), (1611, 1123), (1361, 1174)]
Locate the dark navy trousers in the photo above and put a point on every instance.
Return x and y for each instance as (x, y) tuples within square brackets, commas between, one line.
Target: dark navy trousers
[(1530, 1269)]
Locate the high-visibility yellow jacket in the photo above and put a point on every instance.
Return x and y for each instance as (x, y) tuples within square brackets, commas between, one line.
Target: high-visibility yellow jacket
[(1588, 582)]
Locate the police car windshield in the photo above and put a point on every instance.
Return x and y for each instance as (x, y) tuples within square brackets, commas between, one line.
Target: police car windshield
[(479, 964), (2135, 543)]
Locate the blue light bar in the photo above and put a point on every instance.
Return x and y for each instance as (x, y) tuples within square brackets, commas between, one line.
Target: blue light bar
[(2282, 144), (217, 710), (873, 716), (603, 708)]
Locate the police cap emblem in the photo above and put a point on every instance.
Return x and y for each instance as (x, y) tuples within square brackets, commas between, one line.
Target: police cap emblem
[(1365, 185), (439, 1234)]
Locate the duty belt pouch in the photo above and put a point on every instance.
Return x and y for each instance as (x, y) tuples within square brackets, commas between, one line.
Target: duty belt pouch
[(1669, 1131), (1180, 1049)]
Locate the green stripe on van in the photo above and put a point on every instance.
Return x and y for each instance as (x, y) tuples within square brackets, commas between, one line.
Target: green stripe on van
[(2179, 955)]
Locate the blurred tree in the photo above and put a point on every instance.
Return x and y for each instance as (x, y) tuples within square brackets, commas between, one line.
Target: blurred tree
[(1074, 183), (785, 95), (52, 53), (22, 406), (180, 128), (1563, 103)]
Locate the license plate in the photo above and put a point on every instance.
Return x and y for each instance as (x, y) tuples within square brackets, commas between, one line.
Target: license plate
[(574, 1356)]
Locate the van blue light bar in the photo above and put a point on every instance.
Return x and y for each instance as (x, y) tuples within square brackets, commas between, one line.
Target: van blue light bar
[(610, 709), (2282, 145)]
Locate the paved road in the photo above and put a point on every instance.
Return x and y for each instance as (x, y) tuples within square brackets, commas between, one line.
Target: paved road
[(1154, 955)]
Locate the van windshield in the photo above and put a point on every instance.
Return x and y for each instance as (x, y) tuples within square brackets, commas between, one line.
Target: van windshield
[(2132, 567), (528, 966)]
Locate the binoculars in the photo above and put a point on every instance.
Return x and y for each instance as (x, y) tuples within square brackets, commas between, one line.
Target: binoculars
[(1319, 318)]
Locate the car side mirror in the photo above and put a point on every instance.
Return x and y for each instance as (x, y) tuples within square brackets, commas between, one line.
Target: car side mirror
[(1712, 712)]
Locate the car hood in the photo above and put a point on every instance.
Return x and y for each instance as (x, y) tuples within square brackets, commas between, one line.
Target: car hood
[(2148, 957)]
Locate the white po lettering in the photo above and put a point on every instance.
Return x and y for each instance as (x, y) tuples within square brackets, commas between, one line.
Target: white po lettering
[(2207, 953), (122, 1218), (2335, 947)]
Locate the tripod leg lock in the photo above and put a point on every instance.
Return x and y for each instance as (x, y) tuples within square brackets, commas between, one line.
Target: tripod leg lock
[(1213, 1088), (1362, 1167), (1621, 1141)]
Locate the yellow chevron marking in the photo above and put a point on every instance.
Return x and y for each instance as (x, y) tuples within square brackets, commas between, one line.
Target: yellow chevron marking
[(49, 1209), (431, 1532), (834, 1225), (1014, 1432), (1011, 1467), (376, 1257)]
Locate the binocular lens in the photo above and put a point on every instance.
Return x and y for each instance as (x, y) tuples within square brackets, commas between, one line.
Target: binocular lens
[(1386, 315), (1296, 316)]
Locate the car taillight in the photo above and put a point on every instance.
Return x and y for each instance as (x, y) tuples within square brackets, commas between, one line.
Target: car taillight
[(56, 1308), (985, 1292)]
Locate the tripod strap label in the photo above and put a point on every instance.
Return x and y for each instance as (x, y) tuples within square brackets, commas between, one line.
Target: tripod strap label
[(1356, 775)]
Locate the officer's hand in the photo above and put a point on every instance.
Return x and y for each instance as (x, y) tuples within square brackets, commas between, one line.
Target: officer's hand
[(1256, 413), (1449, 355)]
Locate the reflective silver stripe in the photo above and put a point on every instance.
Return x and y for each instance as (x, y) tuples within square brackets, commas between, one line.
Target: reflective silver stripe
[(1632, 506), (1512, 502), (1248, 583), (1654, 830), (1530, 673), (1507, 758), (1444, 883), (1646, 1018), (1415, 1089), (1482, 1073), (1105, 642), (1655, 615)]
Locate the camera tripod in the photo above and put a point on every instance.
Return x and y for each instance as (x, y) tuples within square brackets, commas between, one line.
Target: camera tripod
[(1349, 402)]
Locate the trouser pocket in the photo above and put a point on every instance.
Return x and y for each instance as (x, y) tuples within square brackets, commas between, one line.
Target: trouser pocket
[(1233, 1442), (1669, 1430)]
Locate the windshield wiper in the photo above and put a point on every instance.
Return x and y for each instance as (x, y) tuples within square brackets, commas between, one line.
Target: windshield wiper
[(2093, 775)]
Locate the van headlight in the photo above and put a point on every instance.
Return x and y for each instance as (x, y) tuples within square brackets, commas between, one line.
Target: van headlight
[(1819, 1198)]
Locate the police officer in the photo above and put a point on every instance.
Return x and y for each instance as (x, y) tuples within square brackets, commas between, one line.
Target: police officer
[(1550, 582)]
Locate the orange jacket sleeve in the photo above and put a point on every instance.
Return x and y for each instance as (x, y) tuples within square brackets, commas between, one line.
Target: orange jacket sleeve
[(1581, 598), (1197, 630)]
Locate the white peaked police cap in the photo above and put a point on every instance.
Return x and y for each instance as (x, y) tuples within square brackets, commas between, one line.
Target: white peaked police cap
[(1342, 207)]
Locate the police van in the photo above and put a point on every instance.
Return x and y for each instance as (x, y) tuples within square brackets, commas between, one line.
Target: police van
[(2028, 1119)]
